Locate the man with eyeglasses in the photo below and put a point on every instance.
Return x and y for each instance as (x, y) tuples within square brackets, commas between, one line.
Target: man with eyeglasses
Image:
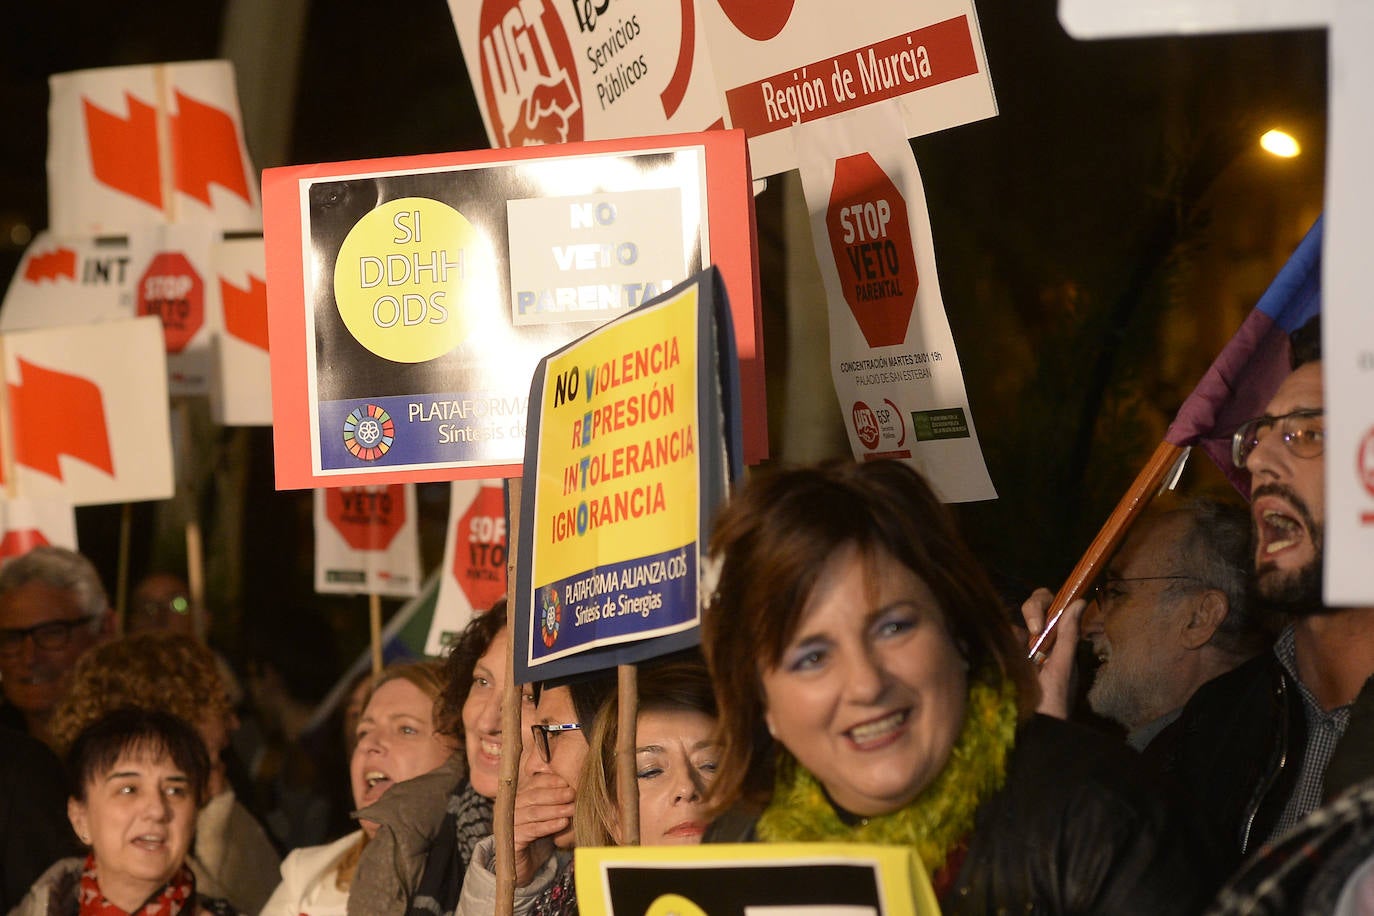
[(52, 609), (1170, 614), (1260, 747)]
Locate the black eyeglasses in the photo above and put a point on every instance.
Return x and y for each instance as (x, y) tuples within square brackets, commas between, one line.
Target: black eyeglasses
[(542, 734), (1303, 432), (1108, 588), (49, 636)]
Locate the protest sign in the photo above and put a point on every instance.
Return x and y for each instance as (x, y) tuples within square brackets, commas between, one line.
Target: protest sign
[(146, 145), (892, 354), (558, 73), (410, 299), (473, 575), (1347, 319), (240, 380), (1109, 19), (632, 445), (29, 523), (725, 879), (367, 541), (88, 412), (1347, 326), (66, 280), (803, 61), (162, 271)]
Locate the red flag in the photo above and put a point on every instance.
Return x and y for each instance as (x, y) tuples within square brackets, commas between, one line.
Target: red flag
[(245, 311), (205, 149), (58, 414), (124, 151)]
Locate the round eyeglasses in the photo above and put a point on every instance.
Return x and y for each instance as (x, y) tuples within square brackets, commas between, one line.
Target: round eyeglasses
[(1302, 431)]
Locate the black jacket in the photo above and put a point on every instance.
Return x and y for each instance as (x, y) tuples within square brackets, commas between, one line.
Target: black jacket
[(1079, 828), (1236, 750)]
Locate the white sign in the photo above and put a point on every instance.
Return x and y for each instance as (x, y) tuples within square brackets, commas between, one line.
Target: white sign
[(473, 577), (67, 280), (1347, 317), (148, 145), (780, 64), (88, 408), (240, 383), (559, 72), (1347, 323), (582, 258), (29, 523), (892, 354), (1114, 19), (367, 541)]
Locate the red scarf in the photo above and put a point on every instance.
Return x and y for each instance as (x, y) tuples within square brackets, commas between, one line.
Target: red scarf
[(169, 901)]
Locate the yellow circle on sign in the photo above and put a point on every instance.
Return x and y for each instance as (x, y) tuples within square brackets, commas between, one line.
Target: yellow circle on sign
[(674, 905), (406, 276)]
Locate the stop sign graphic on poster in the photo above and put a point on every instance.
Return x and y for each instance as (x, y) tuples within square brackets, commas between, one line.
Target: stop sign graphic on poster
[(479, 556), (368, 518), (870, 237), (172, 290)]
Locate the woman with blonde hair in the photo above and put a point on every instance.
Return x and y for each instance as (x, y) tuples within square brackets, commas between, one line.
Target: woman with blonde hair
[(232, 857), (675, 761), (397, 740)]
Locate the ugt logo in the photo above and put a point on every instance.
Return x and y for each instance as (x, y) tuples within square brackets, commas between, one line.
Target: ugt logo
[(528, 76)]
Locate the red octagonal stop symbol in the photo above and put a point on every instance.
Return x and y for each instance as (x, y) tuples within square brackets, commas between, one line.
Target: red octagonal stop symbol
[(172, 290), (368, 518), (870, 237), (479, 549), (20, 541)]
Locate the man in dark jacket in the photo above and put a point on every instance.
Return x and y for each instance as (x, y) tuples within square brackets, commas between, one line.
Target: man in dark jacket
[(1260, 747)]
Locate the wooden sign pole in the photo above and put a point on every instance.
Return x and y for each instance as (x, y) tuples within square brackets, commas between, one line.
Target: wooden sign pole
[(627, 785), (504, 816)]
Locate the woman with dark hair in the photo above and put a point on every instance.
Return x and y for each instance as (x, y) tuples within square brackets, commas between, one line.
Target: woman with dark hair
[(871, 690), (137, 778)]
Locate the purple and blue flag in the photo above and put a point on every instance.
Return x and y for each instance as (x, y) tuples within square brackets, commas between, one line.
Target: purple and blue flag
[(1247, 373)]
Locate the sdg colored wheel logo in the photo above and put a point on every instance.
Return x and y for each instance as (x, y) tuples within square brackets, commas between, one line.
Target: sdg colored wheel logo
[(368, 432), (551, 615)]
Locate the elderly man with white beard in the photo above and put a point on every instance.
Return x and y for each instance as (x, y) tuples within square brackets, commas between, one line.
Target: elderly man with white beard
[(1170, 614)]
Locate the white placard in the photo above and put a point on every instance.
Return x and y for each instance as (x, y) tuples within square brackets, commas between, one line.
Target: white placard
[(65, 280), (473, 577), (29, 523), (88, 407), (240, 382), (1347, 315), (147, 145), (367, 541), (782, 63), (581, 258), (892, 355), (1113, 19), (547, 72)]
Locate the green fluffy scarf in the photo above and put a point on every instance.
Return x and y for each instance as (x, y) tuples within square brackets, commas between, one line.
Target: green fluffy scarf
[(937, 819)]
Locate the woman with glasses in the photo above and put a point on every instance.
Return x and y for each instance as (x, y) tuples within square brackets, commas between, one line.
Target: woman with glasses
[(398, 740), (551, 766), (871, 690), (137, 778)]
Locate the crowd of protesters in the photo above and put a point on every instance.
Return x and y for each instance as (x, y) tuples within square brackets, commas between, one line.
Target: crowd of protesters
[(859, 680)]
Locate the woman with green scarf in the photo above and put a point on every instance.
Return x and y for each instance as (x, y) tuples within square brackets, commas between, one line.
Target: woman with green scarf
[(872, 690)]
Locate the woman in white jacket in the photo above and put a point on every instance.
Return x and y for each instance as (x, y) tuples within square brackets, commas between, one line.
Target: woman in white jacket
[(397, 740)]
